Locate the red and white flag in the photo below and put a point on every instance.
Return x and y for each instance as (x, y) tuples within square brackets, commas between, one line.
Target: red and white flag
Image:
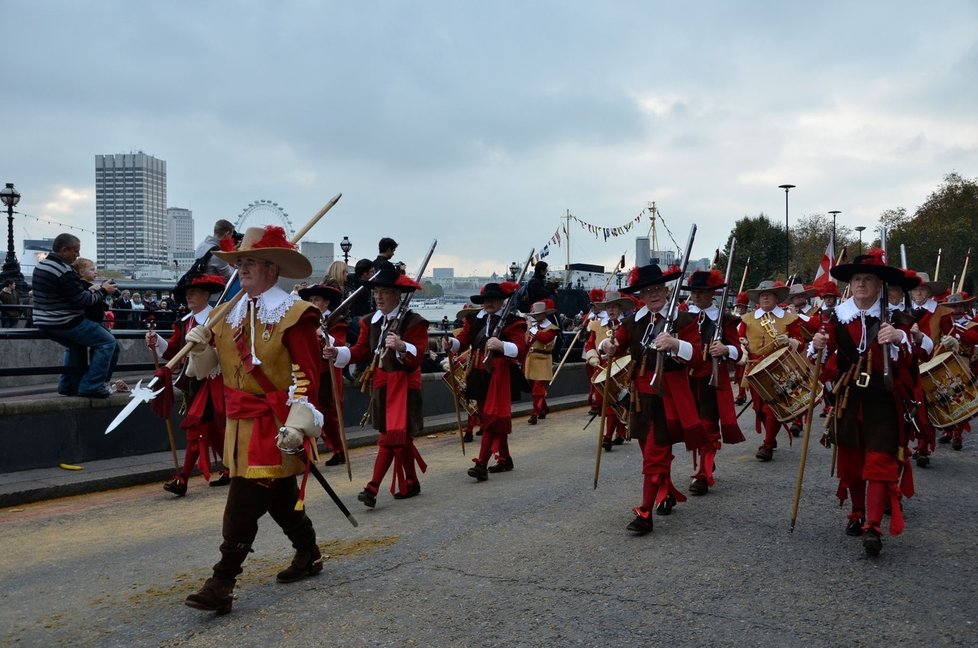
[(822, 276)]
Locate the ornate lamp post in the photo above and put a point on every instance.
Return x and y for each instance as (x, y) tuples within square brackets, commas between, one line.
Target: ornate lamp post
[(787, 232), (11, 267), (346, 246), (835, 252), (860, 230), (513, 269)]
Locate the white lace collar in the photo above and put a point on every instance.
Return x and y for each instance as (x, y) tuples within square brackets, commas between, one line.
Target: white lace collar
[(848, 311), (641, 312), (930, 305), (712, 312), (777, 311), (199, 317), (271, 307), (379, 315)]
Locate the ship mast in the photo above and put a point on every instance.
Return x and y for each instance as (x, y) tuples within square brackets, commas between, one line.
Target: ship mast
[(567, 231)]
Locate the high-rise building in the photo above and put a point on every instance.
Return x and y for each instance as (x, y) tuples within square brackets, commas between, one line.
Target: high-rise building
[(181, 238), (131, 224)]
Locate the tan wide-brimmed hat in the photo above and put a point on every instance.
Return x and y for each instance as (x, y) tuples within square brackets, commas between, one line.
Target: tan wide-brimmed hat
[(270, 244), (617, 299), (540, 309), (776, 288)]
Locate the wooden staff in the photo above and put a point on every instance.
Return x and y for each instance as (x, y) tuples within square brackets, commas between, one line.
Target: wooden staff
[(937, 270), (964, 271), (566, 354), (604, 414), (455, 397), (813, 386), (169, 424), (341, 427)]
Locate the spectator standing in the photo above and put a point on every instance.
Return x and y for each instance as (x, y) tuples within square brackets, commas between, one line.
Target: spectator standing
[(123, 308), (385, 248), (138, 310), (223, 231), (336, 275), (60, 301), (9, 298)]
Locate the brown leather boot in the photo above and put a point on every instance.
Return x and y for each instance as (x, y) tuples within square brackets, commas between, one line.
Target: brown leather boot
[(215, 596), (306, 562)]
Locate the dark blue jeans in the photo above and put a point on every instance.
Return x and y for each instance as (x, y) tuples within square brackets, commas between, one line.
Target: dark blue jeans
[(78, 340)]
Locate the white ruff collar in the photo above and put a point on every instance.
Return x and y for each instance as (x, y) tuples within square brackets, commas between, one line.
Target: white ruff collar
[(712, 312), (930, 305), (848, 311), (641, 312), (272, 306), (777, 311), (199, 317)]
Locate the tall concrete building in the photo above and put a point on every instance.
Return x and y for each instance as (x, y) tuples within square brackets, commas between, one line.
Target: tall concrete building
[(181, 237), (131, 223)]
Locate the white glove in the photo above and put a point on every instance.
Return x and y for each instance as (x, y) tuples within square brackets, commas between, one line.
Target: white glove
[(781, 340), (950, 343), (200, 336), (289, 439)]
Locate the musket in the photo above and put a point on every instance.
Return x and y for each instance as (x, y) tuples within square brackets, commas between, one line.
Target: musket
[(743, 278), (907, 302), (145, 394), (345, 305), (884, 319), (718, 333), (937, 270), (964, 271), (670, 321), (393, 324), (813, 385), (507, 307)]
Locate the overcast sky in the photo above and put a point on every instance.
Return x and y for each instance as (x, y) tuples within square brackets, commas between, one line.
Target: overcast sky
[(482, 123)]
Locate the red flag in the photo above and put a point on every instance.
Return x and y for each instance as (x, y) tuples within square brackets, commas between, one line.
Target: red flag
[(822, 276)]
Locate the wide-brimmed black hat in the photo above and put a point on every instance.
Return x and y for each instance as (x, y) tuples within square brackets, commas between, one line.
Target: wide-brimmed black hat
[(650, 275), (387, 276), (495, 291), (869, 263), (209, 282), (705, 280), (330, 292)]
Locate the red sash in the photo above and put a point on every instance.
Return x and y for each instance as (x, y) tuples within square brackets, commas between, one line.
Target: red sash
[(267, 412), (498, 409), (396, 414)]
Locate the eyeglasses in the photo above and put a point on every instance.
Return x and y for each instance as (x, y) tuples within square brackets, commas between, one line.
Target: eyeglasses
[(653, 289)]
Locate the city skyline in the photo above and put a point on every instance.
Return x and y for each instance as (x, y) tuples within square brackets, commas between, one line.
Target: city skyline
[(483, 125)]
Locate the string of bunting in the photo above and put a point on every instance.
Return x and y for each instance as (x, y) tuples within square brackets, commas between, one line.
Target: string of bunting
[(597, 230), (48, 221)]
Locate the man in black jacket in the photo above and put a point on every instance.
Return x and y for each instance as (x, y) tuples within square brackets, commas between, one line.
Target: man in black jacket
[(60, 300)]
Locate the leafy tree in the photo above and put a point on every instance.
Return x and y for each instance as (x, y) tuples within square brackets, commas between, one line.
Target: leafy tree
[(764, 242), (809, 238), (947, 221)]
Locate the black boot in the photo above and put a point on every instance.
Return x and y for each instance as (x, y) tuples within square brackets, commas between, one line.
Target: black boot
[(177, 485), (872, 542), (215, 596), (306, 562), (501, 466), (481, 473), (641, 525)]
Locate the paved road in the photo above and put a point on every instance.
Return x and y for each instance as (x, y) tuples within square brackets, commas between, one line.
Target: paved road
[(535, 557)]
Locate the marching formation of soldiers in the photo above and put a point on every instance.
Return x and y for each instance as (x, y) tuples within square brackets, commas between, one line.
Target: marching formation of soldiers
[(890, 359)]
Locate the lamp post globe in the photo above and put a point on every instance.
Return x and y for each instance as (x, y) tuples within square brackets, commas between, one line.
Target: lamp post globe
[(513, 269), (346, 246)]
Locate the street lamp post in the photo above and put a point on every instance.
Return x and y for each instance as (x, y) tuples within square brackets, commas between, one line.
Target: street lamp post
[(513, 269), (787, 232), (835, 252), (860, 230), (11, 267), (346, 246)]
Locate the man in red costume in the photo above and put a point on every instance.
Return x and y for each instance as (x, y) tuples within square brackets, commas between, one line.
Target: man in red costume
[(715, 402), (493, 382), (740, 309), (665, 412), (959, 334), (326, 297), (203, 399), (395, 344), (539, 366), (267, 350), (873, 461)]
